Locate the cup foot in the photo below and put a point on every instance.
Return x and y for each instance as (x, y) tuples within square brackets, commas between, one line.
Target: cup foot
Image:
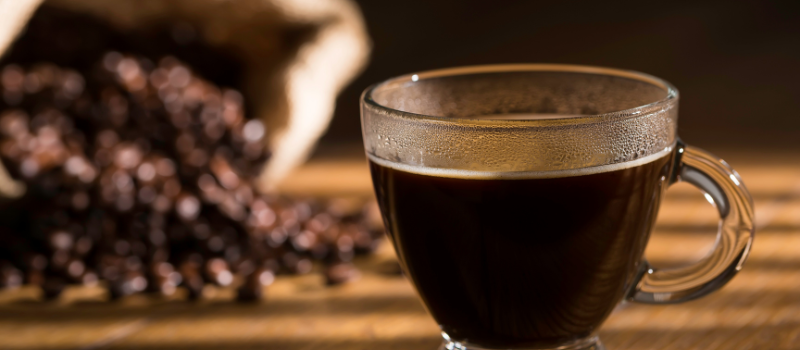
[(591, 343)]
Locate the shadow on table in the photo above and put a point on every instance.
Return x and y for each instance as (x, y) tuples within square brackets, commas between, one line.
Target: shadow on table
[(672, 229), (310, 344), (47, 312), (765, 336), (778, 336), (44, 313)]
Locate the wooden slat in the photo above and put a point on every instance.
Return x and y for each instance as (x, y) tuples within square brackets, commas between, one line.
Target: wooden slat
[(759, 309)]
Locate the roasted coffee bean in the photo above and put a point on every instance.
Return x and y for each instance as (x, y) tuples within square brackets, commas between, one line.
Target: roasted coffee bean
[(75, 270), (129, 283), (340, 273), (163, 278), (144, 175), (89, 278), (10, 276), (34, 277), (192, 279), (53, 286), (254, 285), (217, 272)]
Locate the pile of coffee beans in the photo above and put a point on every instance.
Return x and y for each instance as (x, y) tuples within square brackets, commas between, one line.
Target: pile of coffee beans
[(141, 176)]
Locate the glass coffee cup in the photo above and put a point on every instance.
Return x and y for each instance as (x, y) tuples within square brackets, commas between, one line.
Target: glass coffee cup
[(520, 198)]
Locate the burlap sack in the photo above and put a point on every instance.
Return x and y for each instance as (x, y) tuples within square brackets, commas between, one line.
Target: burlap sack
[(293, 87)]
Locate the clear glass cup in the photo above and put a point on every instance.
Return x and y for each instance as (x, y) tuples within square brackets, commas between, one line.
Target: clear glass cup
[(520, 198)]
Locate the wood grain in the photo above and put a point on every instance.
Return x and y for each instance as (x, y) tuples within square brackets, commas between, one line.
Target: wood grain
[(758, 309)]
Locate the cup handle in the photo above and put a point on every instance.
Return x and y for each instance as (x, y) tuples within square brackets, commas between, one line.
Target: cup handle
[(734, 239)]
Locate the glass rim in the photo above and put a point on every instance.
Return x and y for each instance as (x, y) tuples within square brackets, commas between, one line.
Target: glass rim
[(398, 82)]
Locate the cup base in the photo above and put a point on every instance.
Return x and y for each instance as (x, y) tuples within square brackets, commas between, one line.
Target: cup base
[(591, 343)]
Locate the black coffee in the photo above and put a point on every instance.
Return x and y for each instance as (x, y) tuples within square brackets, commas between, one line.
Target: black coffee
[(532, 262)]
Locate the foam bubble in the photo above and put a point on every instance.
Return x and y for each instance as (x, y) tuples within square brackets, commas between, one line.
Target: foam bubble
[(511, 175)]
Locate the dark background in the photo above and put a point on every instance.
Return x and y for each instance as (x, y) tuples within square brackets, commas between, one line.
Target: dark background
[(736, 64)]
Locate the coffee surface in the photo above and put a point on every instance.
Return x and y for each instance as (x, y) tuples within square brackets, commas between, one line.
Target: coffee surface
[(521, 262)]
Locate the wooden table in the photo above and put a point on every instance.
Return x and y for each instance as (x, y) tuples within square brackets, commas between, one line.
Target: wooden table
[(759, 309)]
